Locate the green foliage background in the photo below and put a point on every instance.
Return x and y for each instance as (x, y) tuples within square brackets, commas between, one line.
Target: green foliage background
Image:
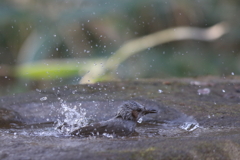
[(46, 43)]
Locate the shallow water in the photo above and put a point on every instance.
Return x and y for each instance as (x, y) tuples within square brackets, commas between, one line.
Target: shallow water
[(187, 125), (142, 131), (74, 119), (72, 116)]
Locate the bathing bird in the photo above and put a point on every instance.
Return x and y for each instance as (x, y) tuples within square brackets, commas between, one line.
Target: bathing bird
[(123, 124)]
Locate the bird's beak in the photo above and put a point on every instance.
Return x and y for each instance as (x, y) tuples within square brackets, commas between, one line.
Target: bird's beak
[(150, 111)]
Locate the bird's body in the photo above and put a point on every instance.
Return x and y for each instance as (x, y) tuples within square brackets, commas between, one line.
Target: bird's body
[(123, 124), (114, 126)]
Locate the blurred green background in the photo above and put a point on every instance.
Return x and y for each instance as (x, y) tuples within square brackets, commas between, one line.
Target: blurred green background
[(45, 43)]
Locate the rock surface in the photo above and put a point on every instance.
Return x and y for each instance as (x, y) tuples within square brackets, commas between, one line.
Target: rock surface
[(26, 120)]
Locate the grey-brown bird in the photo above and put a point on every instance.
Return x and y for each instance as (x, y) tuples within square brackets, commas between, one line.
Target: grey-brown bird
[(123, 124)]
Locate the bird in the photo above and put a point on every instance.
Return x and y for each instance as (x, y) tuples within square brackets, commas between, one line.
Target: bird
[(122, 124)]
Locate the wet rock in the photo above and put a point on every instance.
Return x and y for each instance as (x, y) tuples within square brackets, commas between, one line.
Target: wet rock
[(9, 118), (160, 136)]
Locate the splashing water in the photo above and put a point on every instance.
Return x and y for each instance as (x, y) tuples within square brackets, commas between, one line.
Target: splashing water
[(73, 119), (108, 135), (189, 126), (187, 123)]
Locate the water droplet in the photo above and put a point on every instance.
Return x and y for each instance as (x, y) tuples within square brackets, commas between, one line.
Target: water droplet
[(43, 99), (38, 90), (108, 135), (15, 135), (204, 91), (73, 92), (140, 120), (160, 91), (189, 126), (223, 91)]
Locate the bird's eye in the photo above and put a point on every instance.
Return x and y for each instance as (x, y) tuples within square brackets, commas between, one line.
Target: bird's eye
[(139, 110)]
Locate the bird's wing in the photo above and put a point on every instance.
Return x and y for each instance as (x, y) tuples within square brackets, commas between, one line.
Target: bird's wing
[(115, 126), (94, 129)]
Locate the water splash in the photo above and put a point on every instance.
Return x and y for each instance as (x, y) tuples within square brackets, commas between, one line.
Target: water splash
[(187, 123), (189, 126), (108, 135), (73, 119)]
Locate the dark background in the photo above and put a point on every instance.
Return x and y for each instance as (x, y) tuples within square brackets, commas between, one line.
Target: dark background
[(62, 39)]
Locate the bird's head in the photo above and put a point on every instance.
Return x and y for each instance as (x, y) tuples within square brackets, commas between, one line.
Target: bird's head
[(131, 110)]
